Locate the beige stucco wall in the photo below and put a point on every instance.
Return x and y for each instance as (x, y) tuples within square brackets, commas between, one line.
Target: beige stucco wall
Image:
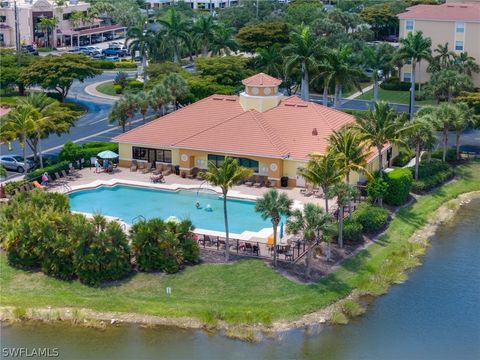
[(259, 103), (441, 32)]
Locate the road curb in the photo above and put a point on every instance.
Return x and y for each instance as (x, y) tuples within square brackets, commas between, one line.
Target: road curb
[(92, 91)]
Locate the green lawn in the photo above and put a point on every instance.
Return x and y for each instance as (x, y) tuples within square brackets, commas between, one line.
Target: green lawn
[(243, 292), (8, 101), (399, 97), (107, 88)]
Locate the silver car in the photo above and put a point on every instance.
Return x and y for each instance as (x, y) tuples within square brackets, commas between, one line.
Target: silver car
[(15, 162)]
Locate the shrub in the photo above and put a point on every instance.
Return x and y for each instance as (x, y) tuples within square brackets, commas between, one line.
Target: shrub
[(135, 85), (377, 188), (11, 186), (352, 308), (121, 79), (50, 170), (338, 318), (372, 218), (117, 88), (432, 174), (352, 231), (124, 64), (451, 155), (103, 64), (72, 152), (191, 251), (395, 85), (399, 185), (404, 156), (102, 253)]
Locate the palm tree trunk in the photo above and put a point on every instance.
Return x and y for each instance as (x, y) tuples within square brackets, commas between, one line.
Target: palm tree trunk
[(340, 227), (349, 200), (380, 170), (375, 88), (412, 90), (275, 225), (304, 90), (419, 78), (144, 69), (309, 260), (457, 144), (227, 238), (40, 150), (417, 159), (335, 99), (445, 142), (24, 147), (325, 194), (325, 95), (205, 51)]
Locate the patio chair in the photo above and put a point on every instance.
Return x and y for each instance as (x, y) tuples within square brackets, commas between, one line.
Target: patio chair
[(260, 182), (307, 191), (250, 181), (37, 185), (133, 166), (168, 169), (148, 168), (158, 169), (193, 174)]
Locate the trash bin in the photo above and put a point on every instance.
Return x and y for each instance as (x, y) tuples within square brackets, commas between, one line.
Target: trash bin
[(284, 181), (177, 170)]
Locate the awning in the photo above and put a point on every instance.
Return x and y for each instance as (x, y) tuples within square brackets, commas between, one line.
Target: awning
[(101, 29)]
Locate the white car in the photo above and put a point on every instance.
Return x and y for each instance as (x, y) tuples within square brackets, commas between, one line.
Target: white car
[(15, 162)]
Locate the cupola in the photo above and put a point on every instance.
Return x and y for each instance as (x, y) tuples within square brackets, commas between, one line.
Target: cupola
[(261, 92)]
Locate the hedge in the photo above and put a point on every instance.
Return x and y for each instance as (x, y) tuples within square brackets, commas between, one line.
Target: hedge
[(451, 156), (432, 174), (352, 231), (72, 152), (103, 64), (118, 88), (11, 186), (50, 170), (124, 64), (135, 84), (395, 85), (372, 218), (399, 185)]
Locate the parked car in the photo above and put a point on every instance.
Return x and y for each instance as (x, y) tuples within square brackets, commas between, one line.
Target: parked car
[(98, 57), (30, 49), (92, 50), (15, 162), (116, 44), (112, 58), (114, 51), (391, 38)]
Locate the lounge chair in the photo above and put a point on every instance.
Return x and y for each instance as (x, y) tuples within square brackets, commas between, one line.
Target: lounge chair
[(158, 169), (193, 174), (260, 182), (307, 191), (37, 185), (133, 166), (148, 168), (271, 183), (168, 169), (250, 181)]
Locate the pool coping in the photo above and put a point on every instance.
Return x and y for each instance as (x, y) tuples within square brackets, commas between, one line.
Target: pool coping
[(247, 235)]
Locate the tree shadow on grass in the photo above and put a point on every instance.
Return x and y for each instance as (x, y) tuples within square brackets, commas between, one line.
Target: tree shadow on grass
[(333, 284)]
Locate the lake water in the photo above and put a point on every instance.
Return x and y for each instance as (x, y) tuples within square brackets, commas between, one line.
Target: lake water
[(434, 315)]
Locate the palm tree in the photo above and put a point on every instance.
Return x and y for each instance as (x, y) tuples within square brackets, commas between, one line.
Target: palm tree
[(311, 222), (19, 123), (344, 193), (377, 59), (342, 70), (444, 56), (223, 42), (177, 86), (420, 133), (142, 102), (269, 60), (118, 114), (129, 105), (159, 97), (379, 127), (465, 117), (142, 41), (304, 51), (175, 31), (204, 30), (48, 24), (51, 117), (274, 205), (448, 83), (415, 48), (322, 171), (225, 176), (349, 149), (466, 64)]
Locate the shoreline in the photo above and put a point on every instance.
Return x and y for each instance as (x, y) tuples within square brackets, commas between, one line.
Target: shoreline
[(91, 318)]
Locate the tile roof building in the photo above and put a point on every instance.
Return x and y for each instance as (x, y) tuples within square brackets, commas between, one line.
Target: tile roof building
[(267, 131), (455, 22)]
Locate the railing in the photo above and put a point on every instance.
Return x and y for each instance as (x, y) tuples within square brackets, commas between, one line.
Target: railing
[(66, 188), (139, 217)]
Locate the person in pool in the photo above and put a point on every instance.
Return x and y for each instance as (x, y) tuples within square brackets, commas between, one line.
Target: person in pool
[(208, 208), (197, 204)]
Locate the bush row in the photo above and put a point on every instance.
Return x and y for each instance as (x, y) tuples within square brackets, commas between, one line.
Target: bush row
[(72, 152), (432, 174), (396, 85), (41, 233), (399, 185), (372, 218), (50, 170), (450, 157), (110, 65)]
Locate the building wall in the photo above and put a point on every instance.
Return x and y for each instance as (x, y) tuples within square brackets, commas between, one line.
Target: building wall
[(259, 103), (441, 32)]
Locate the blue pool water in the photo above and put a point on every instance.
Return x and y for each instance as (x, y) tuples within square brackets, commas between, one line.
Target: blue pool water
[(127, 202)]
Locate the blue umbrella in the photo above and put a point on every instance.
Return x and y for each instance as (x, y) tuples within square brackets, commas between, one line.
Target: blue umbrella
[(107, 154), (281, 230)]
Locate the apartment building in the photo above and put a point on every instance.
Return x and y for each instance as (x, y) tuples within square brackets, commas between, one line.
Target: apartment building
[(195, 4), (65, 33), (456, 22)]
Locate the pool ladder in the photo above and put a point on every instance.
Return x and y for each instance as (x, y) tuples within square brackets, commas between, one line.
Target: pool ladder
[(139, 217)]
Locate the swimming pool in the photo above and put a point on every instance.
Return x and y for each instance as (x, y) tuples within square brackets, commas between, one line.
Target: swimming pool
[(128, 202)]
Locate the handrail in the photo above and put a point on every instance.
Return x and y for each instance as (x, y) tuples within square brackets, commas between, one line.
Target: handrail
[(138, 217), (66, 188)]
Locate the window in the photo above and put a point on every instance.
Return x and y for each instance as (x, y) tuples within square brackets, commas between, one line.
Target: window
[(216, 159), (409, 25), (407, 77), (459, 45), (460, 27), (3, 19), (164, 156), (248, 163), (139, 153)]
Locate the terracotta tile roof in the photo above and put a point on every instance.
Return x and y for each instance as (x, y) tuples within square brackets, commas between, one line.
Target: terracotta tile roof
[(219, 124), (261, 79), (445, 12)]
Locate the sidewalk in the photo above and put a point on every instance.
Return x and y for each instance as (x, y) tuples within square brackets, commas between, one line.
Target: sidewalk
[(92, 90)]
